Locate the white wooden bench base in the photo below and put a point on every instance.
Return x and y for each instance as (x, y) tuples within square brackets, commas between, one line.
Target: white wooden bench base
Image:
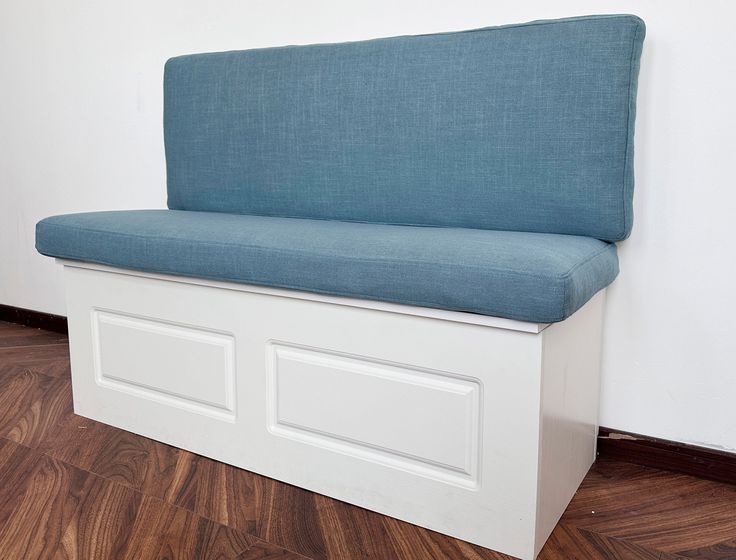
[(477, 427)]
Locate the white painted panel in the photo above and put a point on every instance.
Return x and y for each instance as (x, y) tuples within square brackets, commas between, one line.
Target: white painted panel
[(179, 365), (408, 418), (570, 395)]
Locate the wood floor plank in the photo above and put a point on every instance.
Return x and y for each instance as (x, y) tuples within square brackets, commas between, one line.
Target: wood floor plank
[(191, 536), (12, 334), (720, 551), (76, 440), (313, 525), (100, 526), (179, 536), (288, 516), (655, 509), (16, 465), (30, 402), (352, 532), (162, 531), (208, 488), (275, 512), (134, 461), (410, 542), (49, 499), (217, 541), (137, 462), (150, 527), (261, 550), (60, 512), (51, 360), (572, 543), (29, 428)]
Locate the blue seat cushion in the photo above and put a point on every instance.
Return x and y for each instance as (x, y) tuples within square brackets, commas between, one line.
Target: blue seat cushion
[(526, 276)]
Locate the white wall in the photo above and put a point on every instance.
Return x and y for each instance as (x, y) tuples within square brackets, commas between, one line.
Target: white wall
[(80, 129)]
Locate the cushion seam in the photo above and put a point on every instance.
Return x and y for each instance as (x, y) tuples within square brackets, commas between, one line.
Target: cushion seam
[(566, 287), (585, 261), (491, 28), (629, 133)]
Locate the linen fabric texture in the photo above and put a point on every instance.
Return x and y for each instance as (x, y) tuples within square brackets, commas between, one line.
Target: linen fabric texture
[(521, 128)]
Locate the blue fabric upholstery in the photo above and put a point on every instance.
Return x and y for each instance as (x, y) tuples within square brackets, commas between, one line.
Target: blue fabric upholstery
[(527, 276), (523, 127)]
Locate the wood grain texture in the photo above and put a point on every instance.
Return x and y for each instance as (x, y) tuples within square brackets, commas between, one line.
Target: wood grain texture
[(72, 488), (30, 403), (580, 544), (655, 509), (52, 360), (20, 336)]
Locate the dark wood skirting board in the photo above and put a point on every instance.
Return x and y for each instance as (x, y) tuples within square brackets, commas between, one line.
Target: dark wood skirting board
[(36, 319), (668, 455)]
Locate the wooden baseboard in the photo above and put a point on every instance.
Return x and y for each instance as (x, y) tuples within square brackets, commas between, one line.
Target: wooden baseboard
[(668, 455), (35, 319)]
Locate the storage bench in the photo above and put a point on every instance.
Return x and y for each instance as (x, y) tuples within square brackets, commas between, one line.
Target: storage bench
[(381, 275)]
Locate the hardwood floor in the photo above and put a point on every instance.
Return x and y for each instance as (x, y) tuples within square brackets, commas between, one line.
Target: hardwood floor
[(72, 488)]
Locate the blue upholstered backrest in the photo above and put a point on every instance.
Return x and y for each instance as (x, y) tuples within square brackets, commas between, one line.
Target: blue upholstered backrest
[(523, 127)]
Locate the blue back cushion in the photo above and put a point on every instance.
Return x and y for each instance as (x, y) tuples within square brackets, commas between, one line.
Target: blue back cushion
[(523, 127)]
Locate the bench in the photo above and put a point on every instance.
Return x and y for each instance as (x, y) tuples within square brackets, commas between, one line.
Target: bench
[(381, 272)]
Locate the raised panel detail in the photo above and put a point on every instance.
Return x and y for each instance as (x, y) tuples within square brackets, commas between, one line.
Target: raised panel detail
[(179, 365), (409, 418)]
